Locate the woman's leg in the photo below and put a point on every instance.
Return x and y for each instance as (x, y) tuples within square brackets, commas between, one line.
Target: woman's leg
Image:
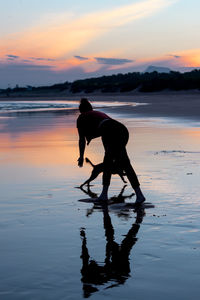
[(124, 161), (115, 137), (107, 165), (108, 130)]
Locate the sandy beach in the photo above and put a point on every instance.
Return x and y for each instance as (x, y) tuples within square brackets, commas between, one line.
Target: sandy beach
[(46, 232)]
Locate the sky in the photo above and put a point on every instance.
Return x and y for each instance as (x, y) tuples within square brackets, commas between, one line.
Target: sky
[(46, 42)]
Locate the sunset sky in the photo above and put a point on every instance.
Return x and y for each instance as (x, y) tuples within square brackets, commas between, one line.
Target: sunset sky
[(48, 41)]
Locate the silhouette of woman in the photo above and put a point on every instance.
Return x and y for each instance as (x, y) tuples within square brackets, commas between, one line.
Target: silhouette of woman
[(92, 124)]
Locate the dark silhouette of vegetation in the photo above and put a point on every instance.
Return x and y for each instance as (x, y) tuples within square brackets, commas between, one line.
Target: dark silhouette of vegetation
[(143, 82), (56, 87)]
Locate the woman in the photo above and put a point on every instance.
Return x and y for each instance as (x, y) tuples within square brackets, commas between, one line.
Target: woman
[(92, 124)]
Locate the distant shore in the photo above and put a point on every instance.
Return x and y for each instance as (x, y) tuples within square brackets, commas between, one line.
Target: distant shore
[(183, 104)]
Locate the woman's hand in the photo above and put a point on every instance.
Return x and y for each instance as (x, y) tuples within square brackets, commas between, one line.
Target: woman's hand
[(80, 161)]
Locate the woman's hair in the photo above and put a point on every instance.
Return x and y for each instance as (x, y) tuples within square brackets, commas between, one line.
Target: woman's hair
[(85, 105)]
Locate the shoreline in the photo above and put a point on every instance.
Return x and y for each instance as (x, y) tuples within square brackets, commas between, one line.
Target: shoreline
[(184, 105), (68, 95)]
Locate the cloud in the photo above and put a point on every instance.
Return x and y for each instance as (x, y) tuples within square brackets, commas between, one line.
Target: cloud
[(24, 66), (81, 57), (174, 56), (112, 61), (42, 59), (12, 57), (61, 40), (30, 74), (188, 58), (52, 46)]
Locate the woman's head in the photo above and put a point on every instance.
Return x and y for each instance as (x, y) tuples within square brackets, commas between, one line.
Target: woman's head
[(85, 105)]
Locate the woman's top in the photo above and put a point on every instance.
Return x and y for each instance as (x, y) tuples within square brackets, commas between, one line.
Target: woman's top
[(88, 124)]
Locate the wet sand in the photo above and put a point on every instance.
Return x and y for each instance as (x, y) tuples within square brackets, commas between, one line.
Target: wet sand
[(44, 229)]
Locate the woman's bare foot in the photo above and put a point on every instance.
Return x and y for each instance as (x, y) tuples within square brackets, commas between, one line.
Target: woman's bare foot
[(140, 200), (139, 196), (102, 198), (104, 194)]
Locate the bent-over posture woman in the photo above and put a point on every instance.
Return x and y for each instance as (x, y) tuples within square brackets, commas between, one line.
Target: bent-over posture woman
[(92, 124)]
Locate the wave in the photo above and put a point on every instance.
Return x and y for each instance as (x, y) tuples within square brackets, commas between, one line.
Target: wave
[(19, 106), (31, 106), (176, 152)]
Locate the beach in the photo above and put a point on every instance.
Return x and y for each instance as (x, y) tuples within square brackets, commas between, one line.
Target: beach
[(181, 104), (46, 232)]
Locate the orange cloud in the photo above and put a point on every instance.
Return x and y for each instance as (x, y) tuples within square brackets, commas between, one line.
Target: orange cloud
[(62, 41), (185, 58), (190, 58)]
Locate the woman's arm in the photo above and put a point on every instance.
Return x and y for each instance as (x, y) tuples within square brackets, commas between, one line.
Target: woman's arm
[(81, 150)]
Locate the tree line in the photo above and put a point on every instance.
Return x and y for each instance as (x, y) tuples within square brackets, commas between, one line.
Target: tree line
[(143, 82)]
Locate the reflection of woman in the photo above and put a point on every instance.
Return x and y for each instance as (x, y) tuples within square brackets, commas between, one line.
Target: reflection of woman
[(116, 267), (92, 124)]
